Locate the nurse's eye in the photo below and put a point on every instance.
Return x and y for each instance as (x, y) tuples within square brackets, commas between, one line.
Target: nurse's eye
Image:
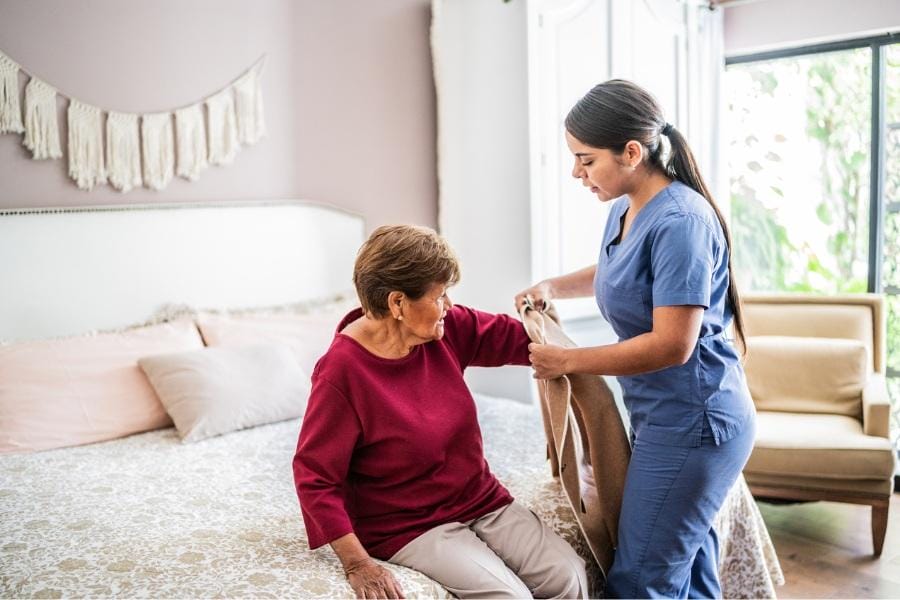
[(587, 164)]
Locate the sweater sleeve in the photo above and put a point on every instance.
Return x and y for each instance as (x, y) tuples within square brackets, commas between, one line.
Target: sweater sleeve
[(328, 436), (481, 339)]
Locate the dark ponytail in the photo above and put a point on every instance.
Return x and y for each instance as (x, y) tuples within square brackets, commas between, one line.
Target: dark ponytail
[(618, 111)]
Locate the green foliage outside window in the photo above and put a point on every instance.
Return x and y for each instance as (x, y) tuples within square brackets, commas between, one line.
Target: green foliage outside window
[(771, 251)]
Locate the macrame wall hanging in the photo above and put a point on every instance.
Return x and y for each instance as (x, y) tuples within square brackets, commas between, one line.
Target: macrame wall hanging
[(132, 150)]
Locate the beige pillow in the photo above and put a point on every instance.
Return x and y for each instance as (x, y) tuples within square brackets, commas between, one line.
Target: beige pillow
[(807, 374), (213, 391), (308, 336), (83, 389)]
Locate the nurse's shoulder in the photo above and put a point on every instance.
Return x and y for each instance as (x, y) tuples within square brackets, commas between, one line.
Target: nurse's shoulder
[(683, 201)]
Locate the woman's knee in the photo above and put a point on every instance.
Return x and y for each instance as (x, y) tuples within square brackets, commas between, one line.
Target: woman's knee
[(567, 583), (565, 576)]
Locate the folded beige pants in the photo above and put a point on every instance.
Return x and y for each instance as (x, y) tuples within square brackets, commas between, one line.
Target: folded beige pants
[(507, 553)]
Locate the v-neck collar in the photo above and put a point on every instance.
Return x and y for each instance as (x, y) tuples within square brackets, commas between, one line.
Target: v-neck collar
[(639, 219)]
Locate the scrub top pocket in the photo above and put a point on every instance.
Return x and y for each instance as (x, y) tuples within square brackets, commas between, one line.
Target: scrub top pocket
[(626, 309)]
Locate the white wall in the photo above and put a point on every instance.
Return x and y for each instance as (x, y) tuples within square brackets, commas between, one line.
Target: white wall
[(506, 75), (771, 24), (481, 59)]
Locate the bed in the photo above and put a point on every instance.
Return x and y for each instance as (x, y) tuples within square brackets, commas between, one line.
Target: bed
[(150, 516)]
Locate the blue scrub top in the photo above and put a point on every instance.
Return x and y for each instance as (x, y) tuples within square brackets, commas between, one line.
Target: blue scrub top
[(675, 254)]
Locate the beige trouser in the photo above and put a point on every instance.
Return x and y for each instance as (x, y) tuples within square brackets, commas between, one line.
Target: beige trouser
[(507, 553)]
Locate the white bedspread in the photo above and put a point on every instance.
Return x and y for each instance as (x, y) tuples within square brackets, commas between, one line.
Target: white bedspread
[(148, 516)]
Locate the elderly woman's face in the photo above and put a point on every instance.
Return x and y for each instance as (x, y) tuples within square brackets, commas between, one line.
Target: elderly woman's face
[(424, 318)]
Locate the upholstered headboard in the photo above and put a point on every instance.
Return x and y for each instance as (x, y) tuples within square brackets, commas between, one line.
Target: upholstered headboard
[(68, 271)]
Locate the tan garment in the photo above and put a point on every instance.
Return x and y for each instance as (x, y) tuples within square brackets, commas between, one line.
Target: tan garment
[(507, 553), (587, 442)]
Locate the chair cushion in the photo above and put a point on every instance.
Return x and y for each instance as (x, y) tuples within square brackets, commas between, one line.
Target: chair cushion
[(801, 374), (818, 318), (819, 446)]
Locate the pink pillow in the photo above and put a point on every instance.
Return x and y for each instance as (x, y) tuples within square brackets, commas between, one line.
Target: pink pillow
[(307, 336), (72, 391)]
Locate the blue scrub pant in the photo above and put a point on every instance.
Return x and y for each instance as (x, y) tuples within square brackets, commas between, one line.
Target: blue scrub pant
[(667, 544)]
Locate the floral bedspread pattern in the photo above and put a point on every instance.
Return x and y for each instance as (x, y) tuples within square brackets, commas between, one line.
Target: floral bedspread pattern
[(147, 516)]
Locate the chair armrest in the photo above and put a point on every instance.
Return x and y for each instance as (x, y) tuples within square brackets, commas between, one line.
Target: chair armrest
[(876, 407)]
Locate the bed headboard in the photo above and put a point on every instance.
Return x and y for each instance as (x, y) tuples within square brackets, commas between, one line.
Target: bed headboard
[(69, 271)]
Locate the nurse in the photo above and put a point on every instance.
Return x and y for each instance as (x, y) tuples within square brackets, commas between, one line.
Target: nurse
[(664, 282)]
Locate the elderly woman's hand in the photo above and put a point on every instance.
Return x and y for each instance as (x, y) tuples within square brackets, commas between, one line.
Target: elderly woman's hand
[(538, 294), (370, 580), (548, 360)]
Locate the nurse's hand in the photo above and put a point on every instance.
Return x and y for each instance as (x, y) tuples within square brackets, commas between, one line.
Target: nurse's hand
[(539, 294), (548, 360)]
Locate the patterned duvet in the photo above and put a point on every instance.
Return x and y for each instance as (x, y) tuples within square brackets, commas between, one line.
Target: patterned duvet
[(148, 516)]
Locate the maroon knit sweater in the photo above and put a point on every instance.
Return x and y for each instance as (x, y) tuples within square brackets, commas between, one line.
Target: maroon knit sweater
[(390, 448)]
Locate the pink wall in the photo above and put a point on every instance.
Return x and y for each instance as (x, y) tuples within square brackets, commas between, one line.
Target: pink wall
[(348, 90)]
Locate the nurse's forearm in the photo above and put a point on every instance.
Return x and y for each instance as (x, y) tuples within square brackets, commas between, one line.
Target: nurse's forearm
[(576, 284), (641, 354)]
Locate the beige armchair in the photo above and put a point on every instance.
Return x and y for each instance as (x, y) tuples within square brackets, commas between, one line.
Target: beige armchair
[(815, 366)]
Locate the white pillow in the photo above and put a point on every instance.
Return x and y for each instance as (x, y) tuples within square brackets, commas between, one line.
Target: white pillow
[(213, 391)]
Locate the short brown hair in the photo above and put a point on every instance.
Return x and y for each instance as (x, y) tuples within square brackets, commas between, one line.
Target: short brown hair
[(401, 258)]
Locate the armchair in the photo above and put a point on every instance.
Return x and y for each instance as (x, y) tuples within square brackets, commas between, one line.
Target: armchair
[(815, 367)]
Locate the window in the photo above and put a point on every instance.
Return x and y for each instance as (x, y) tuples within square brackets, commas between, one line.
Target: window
[(813, 146), (799, 160)]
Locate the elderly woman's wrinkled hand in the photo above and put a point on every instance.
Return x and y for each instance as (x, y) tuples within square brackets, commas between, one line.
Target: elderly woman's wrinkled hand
[(537, 295), (370, 580), (548, 360)]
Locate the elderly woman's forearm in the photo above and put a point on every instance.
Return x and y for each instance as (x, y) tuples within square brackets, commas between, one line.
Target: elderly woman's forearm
[(349, 551)]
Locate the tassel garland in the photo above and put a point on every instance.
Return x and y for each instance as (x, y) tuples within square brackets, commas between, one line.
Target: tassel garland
[(10, 113), (85, 145), (191, 137), (158, 146), (123, 151), (140, 150), (41, 124), (249, 107), (223, 142)]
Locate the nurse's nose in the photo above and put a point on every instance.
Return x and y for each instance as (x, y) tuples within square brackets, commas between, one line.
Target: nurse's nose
[(577, 169)]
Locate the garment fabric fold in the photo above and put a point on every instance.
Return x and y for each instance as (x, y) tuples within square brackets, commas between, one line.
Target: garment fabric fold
[(587, 441), (41, 122)]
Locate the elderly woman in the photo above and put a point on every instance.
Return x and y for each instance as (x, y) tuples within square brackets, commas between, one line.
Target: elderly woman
[(390, 462)]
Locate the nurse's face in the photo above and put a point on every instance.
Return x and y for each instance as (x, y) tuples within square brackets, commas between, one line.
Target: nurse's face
[(607, 174)]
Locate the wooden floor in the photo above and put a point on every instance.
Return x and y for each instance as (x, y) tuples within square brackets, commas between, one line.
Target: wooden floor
[(825, 549)]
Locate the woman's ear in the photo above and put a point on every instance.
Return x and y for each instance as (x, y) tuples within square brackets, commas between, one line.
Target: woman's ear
[(395, 304), (633, 153)]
